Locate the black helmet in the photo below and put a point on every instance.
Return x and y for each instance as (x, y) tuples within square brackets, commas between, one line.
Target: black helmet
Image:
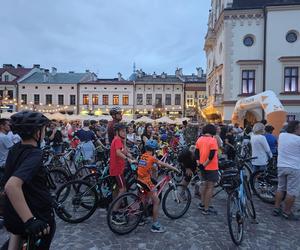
[(27, 122), (115, 110), (119, 126)]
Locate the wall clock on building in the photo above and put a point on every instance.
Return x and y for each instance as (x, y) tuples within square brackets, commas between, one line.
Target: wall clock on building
[(248, 40), (291, 36)]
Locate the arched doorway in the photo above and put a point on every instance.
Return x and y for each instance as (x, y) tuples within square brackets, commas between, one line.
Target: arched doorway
[(250, 118)]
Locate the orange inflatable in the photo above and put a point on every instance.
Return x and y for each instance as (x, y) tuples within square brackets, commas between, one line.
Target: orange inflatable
[(268, 101)]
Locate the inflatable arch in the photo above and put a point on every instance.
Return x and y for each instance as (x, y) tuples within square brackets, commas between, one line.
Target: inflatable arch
[(268, 101)]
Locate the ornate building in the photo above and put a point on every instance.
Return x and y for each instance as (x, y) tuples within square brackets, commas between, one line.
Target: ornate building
[(253, 46)]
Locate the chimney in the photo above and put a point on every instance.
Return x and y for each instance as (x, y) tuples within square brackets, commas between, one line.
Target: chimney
[(53, 71), (19, 66), (87, 71), (120, 77), (139, 73), (178, 72), (199, 72), (8, 66), (46, 75), (154, 75), (36, 66), (163, 75)]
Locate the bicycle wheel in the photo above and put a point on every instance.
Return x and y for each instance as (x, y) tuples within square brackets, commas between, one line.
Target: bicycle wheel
[(235, 218), (263, 187), (178, 177), (84, 171), (249, 202), (176, 201), (59, 177), (79, 199), (125, 213)]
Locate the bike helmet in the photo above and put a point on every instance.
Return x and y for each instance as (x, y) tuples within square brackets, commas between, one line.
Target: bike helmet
[(26, 123), (151, 144), (119, 126), (164, 137), (115, 110)]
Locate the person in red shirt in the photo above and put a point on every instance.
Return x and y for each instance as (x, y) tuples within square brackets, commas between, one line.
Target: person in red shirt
[(118, 157), (207, 156), (116, 114)]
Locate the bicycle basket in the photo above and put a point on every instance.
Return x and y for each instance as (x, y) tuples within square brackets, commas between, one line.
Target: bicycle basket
[(230, 179)]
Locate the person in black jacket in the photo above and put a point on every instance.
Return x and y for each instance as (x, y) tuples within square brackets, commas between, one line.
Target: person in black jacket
[(28, 208)]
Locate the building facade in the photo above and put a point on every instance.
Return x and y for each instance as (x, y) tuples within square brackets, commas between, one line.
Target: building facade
[(250, 49), (47, 91)]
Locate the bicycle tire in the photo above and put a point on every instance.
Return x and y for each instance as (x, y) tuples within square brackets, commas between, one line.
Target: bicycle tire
[(238, 218), (59, 176), (258, 181), (137, 206), (77, 200), (249, 202), (81, 172), (177, 200)]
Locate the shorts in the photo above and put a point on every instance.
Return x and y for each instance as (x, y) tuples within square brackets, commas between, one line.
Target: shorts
[(148, 185), (288, 181), (210, 175), (120, 180), (186, 177)]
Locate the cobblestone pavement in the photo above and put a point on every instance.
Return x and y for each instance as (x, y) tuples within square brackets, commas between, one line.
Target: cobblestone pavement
[(193, 231)]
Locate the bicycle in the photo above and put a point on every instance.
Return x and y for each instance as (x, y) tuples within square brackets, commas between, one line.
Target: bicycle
[(239, 202), (132, 207)]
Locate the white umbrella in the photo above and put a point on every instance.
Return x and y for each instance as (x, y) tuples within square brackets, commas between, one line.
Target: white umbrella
[(59, 116), (144, 119), (165, 119), (180, 120), (7, 115)]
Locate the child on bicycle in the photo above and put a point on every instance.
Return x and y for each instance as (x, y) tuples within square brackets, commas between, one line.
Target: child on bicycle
[(146, 166)]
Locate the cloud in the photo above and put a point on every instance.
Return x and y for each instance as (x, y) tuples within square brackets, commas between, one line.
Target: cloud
[(105, 36)]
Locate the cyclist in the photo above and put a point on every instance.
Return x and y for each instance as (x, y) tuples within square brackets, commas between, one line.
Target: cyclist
[(28, 209), (147, 164), (116, 114)]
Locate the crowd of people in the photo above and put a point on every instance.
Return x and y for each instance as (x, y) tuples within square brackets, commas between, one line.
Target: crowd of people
[(26, 200)]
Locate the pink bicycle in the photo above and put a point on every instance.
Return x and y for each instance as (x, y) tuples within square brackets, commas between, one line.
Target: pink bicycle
[(130, 208)]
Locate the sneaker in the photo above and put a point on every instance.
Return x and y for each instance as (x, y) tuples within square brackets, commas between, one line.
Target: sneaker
[(118, 219), (201, 207), (290, 216), (209, 211), (277, 212), (205, 212), (157, 228)]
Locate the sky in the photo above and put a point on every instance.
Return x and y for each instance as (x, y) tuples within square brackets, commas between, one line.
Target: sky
[(105, 36)]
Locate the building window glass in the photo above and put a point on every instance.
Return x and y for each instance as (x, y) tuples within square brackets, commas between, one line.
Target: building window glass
[(60, 99), (24, 99), (248, 40), (148, 99), (85, 99), (139, 99), (125, 100), (6, 78), (95, 99), (291, 77), (291, 37), (72, 100), (220, 84), (177, 99), (105, 99), (36, 99), (158, 100), (168, 99), (115, 99), (10, 94), (248, 81), (48, 99)]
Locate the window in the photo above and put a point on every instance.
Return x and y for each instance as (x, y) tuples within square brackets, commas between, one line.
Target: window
[(6, 78), (291, 76), (291, 36), (72, 87), (48, 87), (115, 99), (248, 40), (60, 87), (23, 87), (168, 99), (220, 84), (95, 99), (158, 100), (48, 99), (148, 99), (24, 99), (125, 100), (139, 99), (105, 99), (36, 99), (177, 99), (85, 99), (189, 101), (10, 94), (60, 99), (72, 100), (248, 81), (36, 87)]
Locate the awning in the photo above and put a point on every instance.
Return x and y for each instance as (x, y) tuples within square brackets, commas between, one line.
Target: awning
[(211, 113)]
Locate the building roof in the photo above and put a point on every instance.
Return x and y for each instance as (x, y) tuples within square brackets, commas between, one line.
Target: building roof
[(194, 79), (158, 79), (250, 4), (17, 72), (43, 77), (112, 81)]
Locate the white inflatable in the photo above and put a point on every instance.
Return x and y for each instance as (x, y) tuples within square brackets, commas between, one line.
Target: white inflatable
[(268, 101)]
